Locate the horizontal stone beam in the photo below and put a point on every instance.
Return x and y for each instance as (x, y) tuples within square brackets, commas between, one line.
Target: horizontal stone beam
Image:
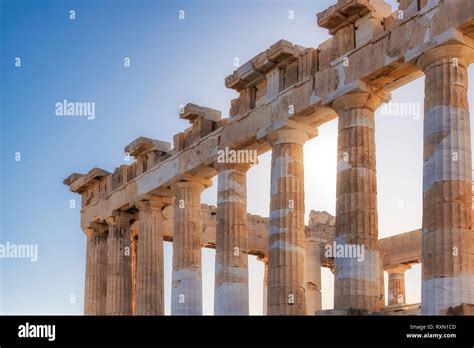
[(404, 248), (196, 160)]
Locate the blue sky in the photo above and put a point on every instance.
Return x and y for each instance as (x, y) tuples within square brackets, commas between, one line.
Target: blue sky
[(173, 61)]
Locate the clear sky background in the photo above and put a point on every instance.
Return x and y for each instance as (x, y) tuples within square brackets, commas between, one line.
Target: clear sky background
[(173, 61)]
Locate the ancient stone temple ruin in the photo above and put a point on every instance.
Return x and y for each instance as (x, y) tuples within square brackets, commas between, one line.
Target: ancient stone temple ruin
[(285, 93)]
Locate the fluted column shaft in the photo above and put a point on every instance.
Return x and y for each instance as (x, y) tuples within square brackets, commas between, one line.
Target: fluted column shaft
[(186, 293), (119, 266), (150, 272), (396, 288), (448, 240), (357, 277), (286, 261), (382, 282), (134, 244), (313, 275), (96, 270), (265, 285), (396, 284), (231, 295)]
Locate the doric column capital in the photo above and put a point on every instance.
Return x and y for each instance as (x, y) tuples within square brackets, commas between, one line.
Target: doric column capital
[(463, 53), (153, 203), (286, 131), (119, 218), (191, 182), (357, 100), (399, 269), (96, 229), (241, 167), (285, 136), (187, 185)]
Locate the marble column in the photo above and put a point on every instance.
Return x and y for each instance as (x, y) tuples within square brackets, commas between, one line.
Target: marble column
[(186, 293), (150, 272), (119, 265), (231, 295), (313, 275), (287, 249), (382, 283), (264, 259), (357, 275), (134, 244), (447, 237), (396, 284), (96, 269)]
